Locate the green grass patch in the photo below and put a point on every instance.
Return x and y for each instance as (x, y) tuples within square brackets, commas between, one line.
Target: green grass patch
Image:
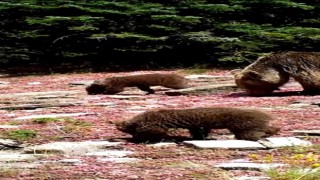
[(76, 126), (19, 135), (45, 120), (294, 174)]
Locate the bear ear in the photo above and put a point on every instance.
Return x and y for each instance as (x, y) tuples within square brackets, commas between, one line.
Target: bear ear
[(235, 71), (253, 75)]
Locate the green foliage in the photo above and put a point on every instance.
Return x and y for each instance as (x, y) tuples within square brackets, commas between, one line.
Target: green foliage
[(54, 20), (188, 19), (167, 32), (75, 122), (163, 28), (245, 27), (20, 135), (44, 120), (294, 174), (32, 34), (83, 28), (214, 8), (126, 35), (300, 31)]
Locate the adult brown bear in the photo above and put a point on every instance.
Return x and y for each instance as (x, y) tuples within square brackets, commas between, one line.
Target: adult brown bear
[(270, 72), (115, 85), (154, 125)]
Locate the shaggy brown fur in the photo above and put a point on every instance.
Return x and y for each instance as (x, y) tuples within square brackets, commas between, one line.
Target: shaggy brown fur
[(154, 125), (115, 85), (270, 72)]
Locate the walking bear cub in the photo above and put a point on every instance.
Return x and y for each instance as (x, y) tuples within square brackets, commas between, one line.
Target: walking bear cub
[(115, 85), (270, 72), (154, 125)]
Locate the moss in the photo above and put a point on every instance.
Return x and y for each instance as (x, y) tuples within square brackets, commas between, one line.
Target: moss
[(44, 120), (20, 135)]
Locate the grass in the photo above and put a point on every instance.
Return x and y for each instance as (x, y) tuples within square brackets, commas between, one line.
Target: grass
[(44, 120), (19, 135), (303, 162), (294, 174), (302, 156), (8, 172), (69, 125), (66, 120), (76, 126)]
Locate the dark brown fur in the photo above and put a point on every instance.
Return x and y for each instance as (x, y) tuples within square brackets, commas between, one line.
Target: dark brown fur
[(115, 85), (270, 72), (154, 125)]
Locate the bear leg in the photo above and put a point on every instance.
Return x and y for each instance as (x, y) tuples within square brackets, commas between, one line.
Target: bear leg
[(150, 135), (199, 133)]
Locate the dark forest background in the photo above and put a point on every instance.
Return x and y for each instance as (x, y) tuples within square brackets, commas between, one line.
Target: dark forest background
[(118, 35)]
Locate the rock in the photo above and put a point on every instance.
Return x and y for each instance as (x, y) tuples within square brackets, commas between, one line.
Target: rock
[(104, 104), (17, 157), (135, 108), (110, 153), (52, 116), (162, 144), (247, 166), (302, 105), (203, 89), (283, 142), (8, 127), (225, 144), (11, 115), (4, 82), (18, 165), (136, 111), (70, 161), (291, 84), (34, 83), (307, 132), (81, 83), (203, 76), (9, 143), (72, 148), (308, 101)]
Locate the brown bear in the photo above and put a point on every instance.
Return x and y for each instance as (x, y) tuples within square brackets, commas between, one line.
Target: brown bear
[(243, 123), (270, 72), (115, 85)]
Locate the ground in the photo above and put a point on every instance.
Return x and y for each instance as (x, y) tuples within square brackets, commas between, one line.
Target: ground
[(168, 162)]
